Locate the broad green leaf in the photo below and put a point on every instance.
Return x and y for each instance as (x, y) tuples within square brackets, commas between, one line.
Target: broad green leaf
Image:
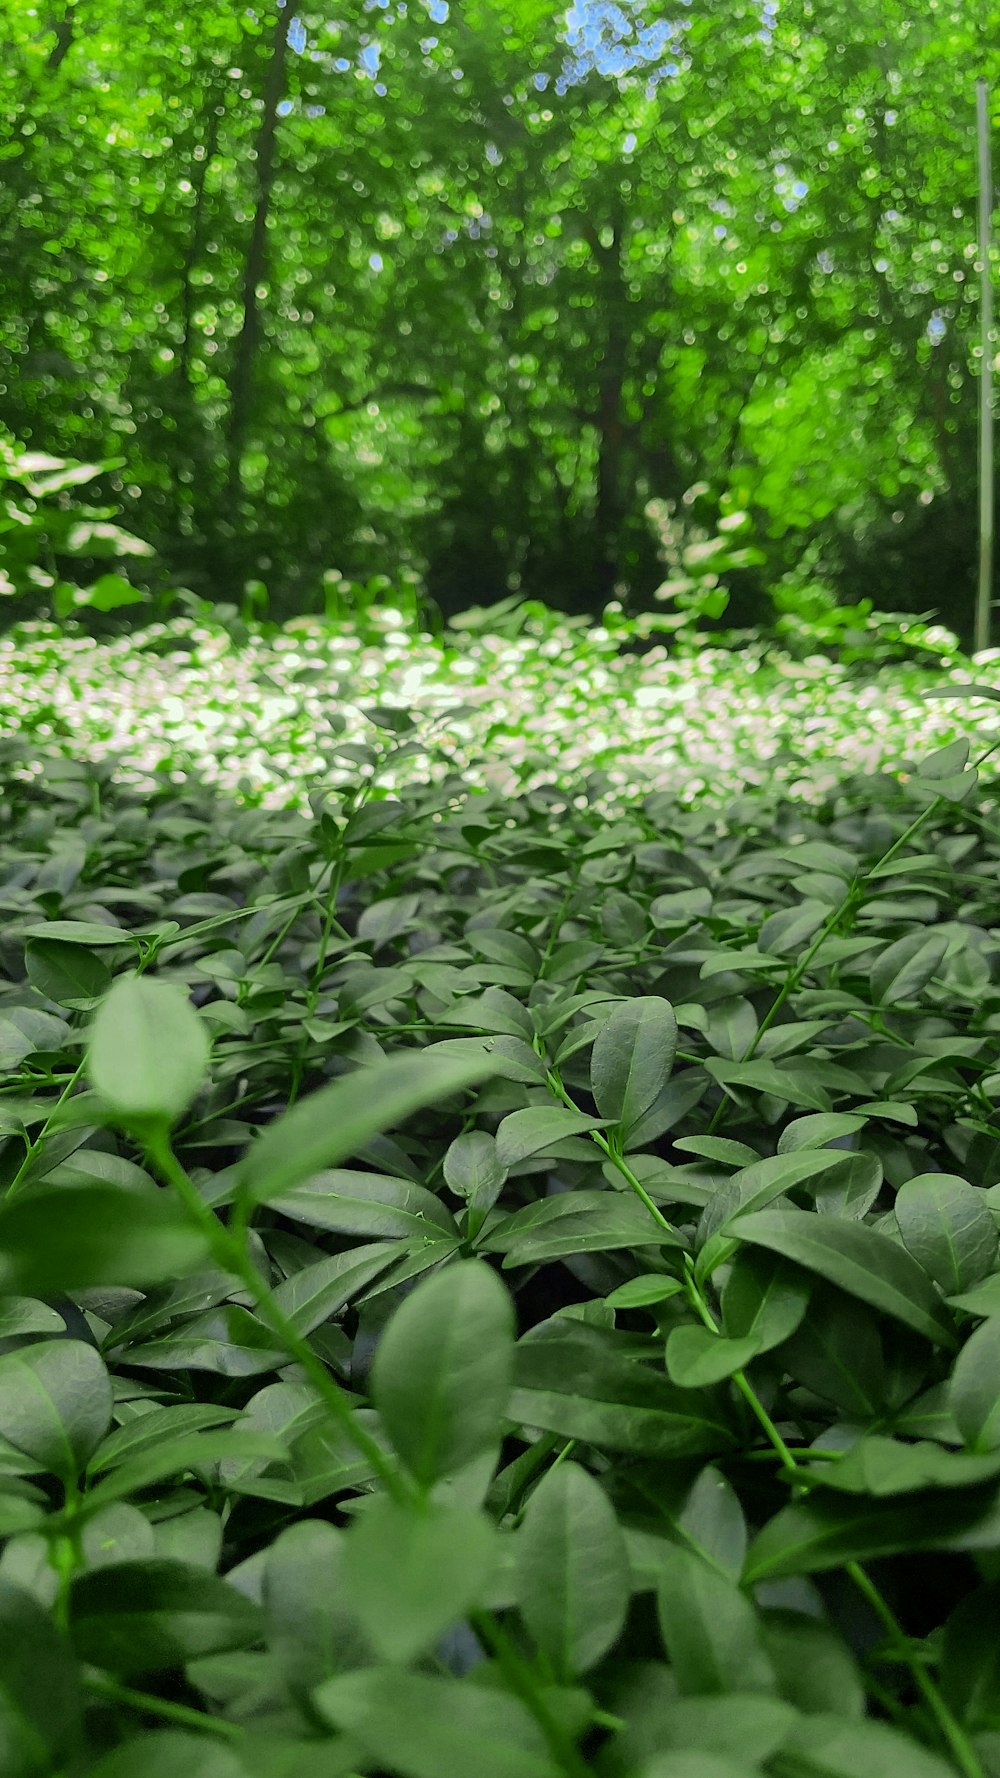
[(827, 1532), (144, 1617), (696, 1357), (170, 1753), (338, 1120), (974, 1389), (79, 932), (693, 1762), (71, 975), (148, 1050), (575, 1222), (443, 1368), (319, 1291), (473, 1170), (983, 1300), (41, 1715), (525, 1133), (69, 1238), (906, 966), (856, 1259), (815, 1669), (837, 1352), (309, 1626), (196, 1451), (739, 1726), (156, 1430), (632, 1057), (410, 1572), (642, 1292), (572, 1570), (947, 1226), (568, 1384), (55, 1404), (229, 1341), (824, 1746), (710, 1629), (711, 1522), (372, 1204), (764, 1298), (787, 1083), (879, 1466), (818, 1130), (421, 1726)]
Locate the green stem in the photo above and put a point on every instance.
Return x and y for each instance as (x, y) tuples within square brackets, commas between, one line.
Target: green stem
[(957, 1741), (149, 1705), (522, 1681), (231, 1255)]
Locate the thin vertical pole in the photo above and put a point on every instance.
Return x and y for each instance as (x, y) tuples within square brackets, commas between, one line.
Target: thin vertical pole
[(986, 495)]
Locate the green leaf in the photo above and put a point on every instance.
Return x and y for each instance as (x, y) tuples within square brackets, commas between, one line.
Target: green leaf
[(339, 1119), (319, 1291), (631, 1059), (644, 1291), (40, 1704), (442, 1370), (974, 1388), (815, 1669), (837, 1353), (572, 1570), (879, 1466), (68, 974), (373, 1204), (525, 1133), (170, 1753), (148, 1050), (309, 1626), (906, 966), (567, 1384), (144, 1617), (983, 1301), (828, 1532), (828, 1747), (55, 1404), (740, 1726), (696, 1357), (710, 1628), (198, 1452), (412, 1571), (856, 1259), (763, 1299), (69, 1238), (575, 1222), (947, 1226), (421, 1726)]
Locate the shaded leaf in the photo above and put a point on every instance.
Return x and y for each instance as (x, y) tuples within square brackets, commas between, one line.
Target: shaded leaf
[(857, 1259), (442, 1370), (572, 1570)]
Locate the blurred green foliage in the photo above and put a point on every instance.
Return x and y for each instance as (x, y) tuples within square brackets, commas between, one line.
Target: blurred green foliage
[(456, 293)]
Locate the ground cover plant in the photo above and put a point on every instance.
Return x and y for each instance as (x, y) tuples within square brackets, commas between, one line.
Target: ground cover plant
[(493, 1286)]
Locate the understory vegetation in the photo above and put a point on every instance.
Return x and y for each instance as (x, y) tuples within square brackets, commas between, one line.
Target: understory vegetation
[(492, 1283)]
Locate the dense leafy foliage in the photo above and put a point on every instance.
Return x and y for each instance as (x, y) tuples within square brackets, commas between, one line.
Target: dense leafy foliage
[(451, 293), (501, 1291)]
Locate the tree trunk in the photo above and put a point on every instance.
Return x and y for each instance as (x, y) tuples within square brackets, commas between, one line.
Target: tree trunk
[(241, 376)]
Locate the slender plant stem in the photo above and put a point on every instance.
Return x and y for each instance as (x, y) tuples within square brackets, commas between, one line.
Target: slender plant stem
[(181, 1714), (957, 1741)]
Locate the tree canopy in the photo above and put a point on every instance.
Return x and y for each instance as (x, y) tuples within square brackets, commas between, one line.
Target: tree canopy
[(453, 292)]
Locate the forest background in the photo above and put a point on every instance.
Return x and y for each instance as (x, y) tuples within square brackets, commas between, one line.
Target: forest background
[(442, 297)]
